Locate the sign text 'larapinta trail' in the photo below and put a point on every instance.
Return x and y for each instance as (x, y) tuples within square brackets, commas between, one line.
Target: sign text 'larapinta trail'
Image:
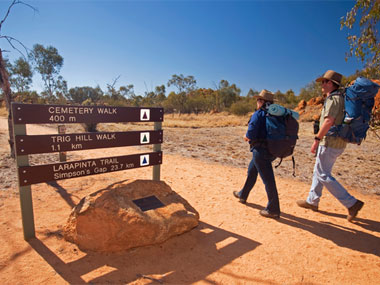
[(50, 172), (41, 114)]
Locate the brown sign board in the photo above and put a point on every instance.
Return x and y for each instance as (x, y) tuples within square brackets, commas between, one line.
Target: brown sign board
[(29, 175), (66, 114), (32, 144)]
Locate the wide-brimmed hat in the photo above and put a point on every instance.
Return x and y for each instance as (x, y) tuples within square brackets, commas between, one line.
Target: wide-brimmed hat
[(332, 76), (265, 95)]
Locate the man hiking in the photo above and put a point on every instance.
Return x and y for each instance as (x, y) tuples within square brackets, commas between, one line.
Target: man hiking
[(329, 148), (261, 162)]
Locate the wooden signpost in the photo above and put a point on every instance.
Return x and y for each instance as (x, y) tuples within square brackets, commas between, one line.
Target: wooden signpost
[(65, 114)]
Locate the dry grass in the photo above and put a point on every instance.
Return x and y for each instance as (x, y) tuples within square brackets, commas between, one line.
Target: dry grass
[(205, 120)]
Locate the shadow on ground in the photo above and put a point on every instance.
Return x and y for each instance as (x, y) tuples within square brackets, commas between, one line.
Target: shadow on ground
[(341, 235), (175, 261)]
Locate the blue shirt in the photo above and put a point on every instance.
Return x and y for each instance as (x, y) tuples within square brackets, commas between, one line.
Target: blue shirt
[(256, 126)]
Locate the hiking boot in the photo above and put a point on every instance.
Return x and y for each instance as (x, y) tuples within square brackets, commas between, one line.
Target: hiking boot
[(267, 214), (306, 205), (236, 194), (353, 211)]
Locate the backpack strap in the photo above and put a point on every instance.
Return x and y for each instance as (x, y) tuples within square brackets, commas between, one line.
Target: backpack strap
[(278, 163), (294, 165)]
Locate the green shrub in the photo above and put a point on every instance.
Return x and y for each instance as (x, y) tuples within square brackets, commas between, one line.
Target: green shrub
[(241, 108)]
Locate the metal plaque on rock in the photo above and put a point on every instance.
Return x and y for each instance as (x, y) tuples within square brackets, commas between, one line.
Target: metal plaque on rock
[(148, 203)]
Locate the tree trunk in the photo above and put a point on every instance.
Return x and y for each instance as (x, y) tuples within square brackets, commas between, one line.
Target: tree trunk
[(4, 82)]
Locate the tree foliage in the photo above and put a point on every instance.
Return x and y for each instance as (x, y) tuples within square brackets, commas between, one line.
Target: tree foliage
[(184, 84), (21, 74), (366, 44), (48, 63), (79, 95), (311, 90)]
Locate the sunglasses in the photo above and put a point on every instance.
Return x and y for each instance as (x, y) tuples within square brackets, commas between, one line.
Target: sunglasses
[(325, 81), (260, 100)]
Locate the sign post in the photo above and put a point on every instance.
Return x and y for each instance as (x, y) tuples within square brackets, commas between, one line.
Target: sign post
[(157, 147), (26, 202), (23, 114), (62, 131)]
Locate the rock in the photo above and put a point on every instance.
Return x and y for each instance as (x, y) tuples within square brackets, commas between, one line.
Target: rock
[(315, 101), (301, 105), (109, 221)]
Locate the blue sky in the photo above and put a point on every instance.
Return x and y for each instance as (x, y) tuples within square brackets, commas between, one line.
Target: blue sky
[(277, 45)]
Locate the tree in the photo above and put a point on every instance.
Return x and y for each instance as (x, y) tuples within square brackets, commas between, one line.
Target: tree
[(365, 45), (252, 93), (4, 80), (185, 84), (280, 97), (79, 95), (154, 98), (48, 63), (127, 92), (243, 106), (176, 102), (313, 89), (291, 99), (227, 95), (21, 75)]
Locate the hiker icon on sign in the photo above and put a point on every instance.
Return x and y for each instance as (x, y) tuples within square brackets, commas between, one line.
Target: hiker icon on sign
[(144, 159), (144, 115), (144, 137)]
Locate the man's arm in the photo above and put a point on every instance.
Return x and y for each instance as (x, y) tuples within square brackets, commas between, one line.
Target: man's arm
[(327, 123)]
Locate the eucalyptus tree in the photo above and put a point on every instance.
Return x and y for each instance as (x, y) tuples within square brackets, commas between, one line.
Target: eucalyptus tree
[(87, 94), (311, 90), (48, 63), (227, 94), (156, 97), (366, 44), (21, 74), (4, 78), (252, 93), (183, 84)]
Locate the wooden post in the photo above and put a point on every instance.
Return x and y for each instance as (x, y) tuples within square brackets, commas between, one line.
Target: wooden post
[(26, 202), (62, 131), (157, 147)]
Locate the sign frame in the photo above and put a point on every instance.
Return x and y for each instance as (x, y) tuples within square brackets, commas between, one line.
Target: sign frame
[(23, 114)]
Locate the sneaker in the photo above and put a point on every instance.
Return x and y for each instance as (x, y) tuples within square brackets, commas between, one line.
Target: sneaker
[(236, 194), (306, 205), (353, 211), (267, 214)]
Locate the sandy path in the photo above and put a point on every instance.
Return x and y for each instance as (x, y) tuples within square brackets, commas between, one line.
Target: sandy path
[(232, 245)]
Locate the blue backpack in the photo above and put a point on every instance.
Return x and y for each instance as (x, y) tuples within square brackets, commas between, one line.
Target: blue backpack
[(359, 99), (282, 132)]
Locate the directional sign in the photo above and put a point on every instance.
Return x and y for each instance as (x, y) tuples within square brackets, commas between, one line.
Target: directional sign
[(60, 114), (50, 172), (71, 142), (145, 138), (144, 160), (144, 115)]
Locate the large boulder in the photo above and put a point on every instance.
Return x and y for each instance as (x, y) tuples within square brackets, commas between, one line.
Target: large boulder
[(109, 220)]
